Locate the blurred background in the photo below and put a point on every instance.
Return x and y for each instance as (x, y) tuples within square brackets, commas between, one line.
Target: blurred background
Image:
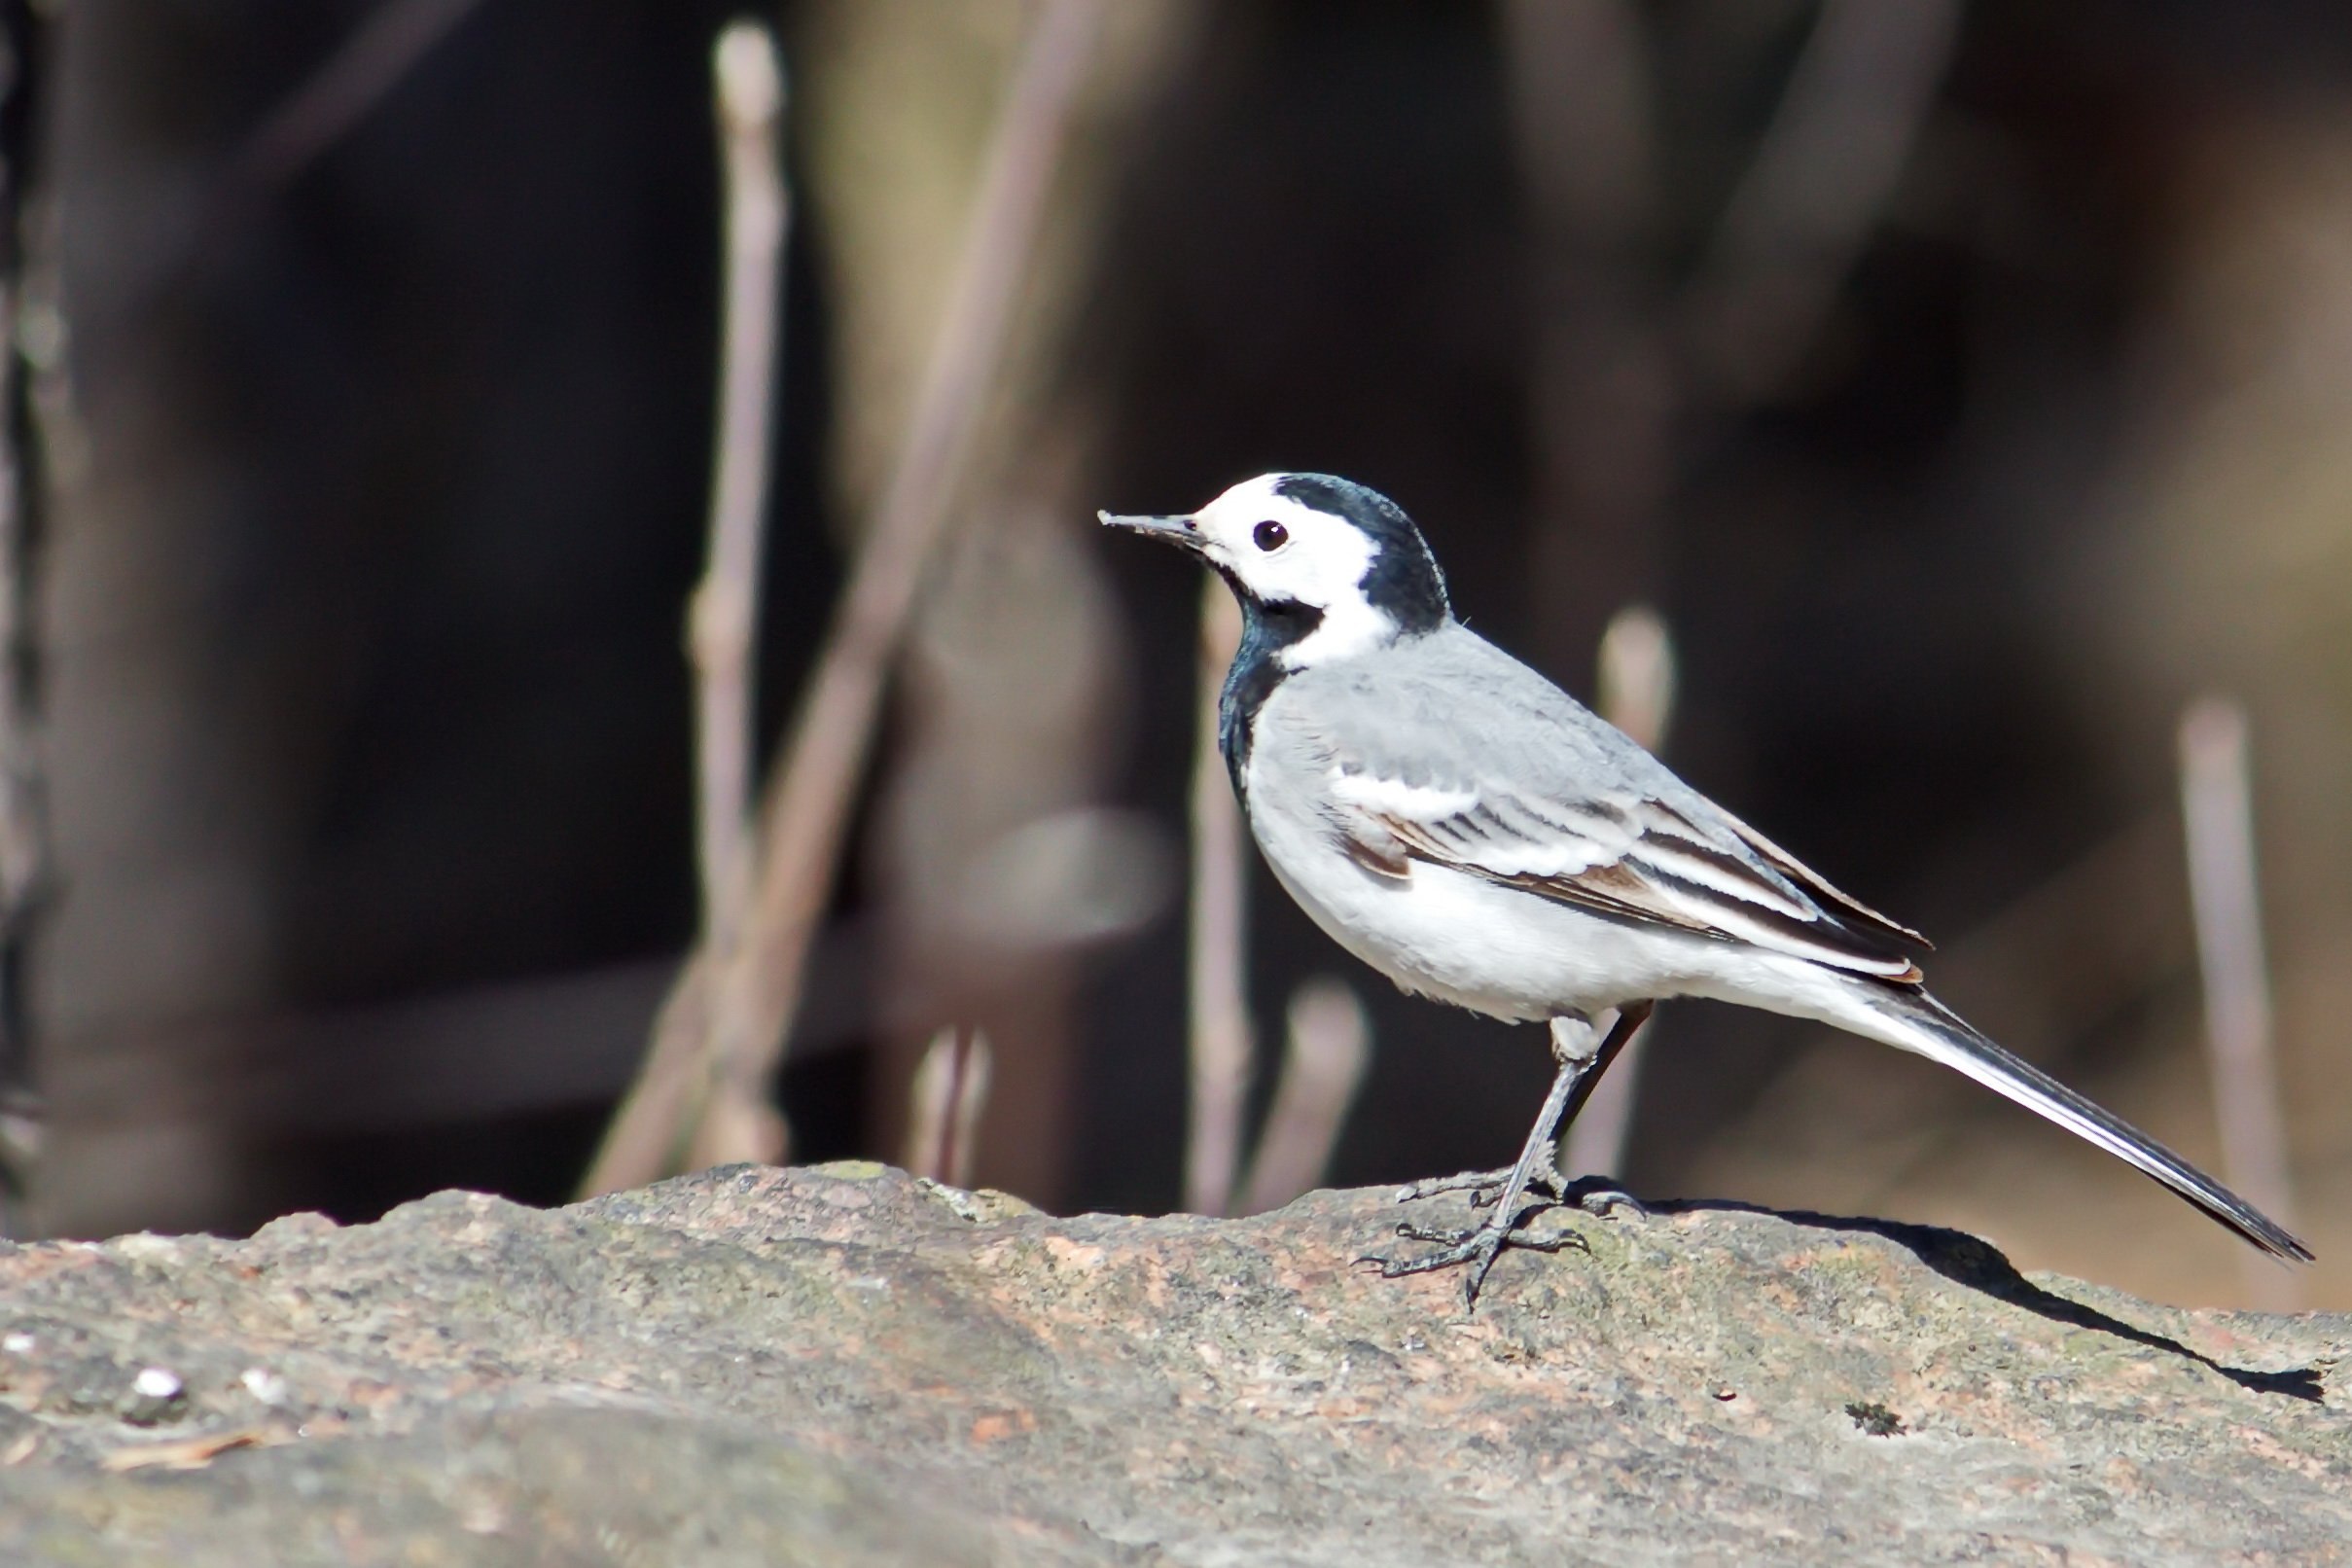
[(1967, 387)]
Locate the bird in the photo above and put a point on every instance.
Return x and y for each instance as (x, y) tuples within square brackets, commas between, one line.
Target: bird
[(1456, 821)]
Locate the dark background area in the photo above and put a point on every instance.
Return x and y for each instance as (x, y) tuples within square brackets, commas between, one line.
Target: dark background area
[(380, 489)]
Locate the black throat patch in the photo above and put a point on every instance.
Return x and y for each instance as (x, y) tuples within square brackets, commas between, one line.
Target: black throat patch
[(1257, 669)]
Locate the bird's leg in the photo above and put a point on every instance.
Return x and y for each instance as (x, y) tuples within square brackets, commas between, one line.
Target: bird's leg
[(1593, 1193), (1569, 1036), (1571, 1087), (1479, 1247)]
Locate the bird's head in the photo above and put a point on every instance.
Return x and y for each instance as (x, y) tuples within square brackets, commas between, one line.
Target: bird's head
[(1338, 568)]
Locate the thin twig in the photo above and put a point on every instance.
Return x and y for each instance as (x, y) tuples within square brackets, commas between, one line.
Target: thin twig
[(806, 808), (1635, 683), (340, 92), (949, 1092), (725, 605), (1601, 384), (307, 124), (647, 1135), (1606, 382), (1330, 1045), (1853, 106), (1636, 688), (2218, 810), (931, 1106), (807, 811), (749, 98), (1222, 1043)]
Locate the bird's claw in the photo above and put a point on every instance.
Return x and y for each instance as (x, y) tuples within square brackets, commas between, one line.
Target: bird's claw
[(1599, 1199), (1478, 1247), (1591, 1193)]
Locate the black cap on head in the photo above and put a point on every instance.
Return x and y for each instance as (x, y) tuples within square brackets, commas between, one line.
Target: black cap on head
[(1404, 579)]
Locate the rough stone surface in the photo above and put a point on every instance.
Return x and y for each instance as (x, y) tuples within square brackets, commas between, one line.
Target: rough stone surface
[(844, 1365)]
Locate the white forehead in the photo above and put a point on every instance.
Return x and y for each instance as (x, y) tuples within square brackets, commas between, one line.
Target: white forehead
[(1321, 560)]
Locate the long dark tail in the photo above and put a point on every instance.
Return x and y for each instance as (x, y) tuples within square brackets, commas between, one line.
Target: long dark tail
[(1942, 1035)]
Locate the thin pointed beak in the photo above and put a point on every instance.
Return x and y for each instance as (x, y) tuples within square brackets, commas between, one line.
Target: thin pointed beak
[(1175, 530)]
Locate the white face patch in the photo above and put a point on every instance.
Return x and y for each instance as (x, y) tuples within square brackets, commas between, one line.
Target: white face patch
[(1315, 559)]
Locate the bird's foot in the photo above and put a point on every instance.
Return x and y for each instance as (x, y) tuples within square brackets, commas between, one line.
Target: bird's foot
[(1477, 1248), (1485, 1185), (1591, 1194)]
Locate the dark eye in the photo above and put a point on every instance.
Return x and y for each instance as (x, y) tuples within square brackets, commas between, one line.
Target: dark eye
[(1272, 536)]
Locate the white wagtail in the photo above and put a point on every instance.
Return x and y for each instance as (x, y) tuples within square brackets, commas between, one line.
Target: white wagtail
[(1468, 830)]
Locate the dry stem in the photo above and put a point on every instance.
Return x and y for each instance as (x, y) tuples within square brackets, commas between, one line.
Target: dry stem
[(1828, 162), (1637, 695), (806, 808), (380, 50), (807, 811), (673, 1088), (1330, 1046), (725, 605), (1601, 385), (1222, 1043), (949, 1092), (2217, 808)]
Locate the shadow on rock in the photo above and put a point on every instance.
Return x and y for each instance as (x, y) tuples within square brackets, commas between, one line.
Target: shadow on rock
[(1977, 1265)]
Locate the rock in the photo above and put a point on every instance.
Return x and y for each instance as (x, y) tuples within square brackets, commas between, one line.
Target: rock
[(846, 1365)]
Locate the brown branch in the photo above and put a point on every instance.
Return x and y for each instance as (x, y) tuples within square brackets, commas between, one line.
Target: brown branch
[(648, 1133), (337, 96), (674, 1090), (725, 605), (1330, 1045), (340, 92), (1635, 688), (1828, 162), (2217, 809), (950, 1089), (806, 808), (1637, 695), (1601, 384), (1222, 1039)]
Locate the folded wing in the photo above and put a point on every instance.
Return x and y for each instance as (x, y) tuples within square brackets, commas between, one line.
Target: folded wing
[(1631, 857)]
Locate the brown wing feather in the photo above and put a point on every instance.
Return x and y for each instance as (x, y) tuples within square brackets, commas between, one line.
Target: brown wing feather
[(1615, 889), (1608, 888), (1382, 860), (1851, 910)]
